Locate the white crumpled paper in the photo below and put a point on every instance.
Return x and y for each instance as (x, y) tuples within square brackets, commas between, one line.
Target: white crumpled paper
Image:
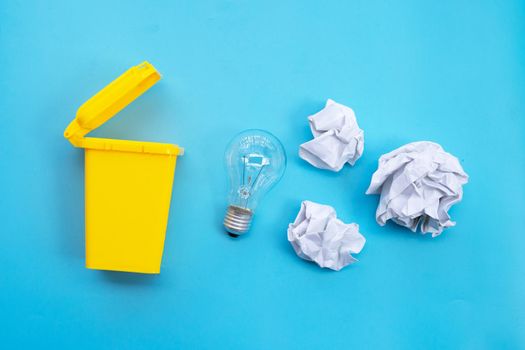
[(418, 184), (317, 235), (337, 138)]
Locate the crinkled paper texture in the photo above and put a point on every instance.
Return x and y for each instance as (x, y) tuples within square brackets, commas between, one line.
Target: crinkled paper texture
[(418, 184), (337, 138), (317, 235)]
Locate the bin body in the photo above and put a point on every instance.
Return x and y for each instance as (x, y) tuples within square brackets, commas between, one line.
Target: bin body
[(127, 198)]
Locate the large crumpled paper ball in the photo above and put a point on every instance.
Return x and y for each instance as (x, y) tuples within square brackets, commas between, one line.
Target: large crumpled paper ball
[(418, 183), (318, 235)]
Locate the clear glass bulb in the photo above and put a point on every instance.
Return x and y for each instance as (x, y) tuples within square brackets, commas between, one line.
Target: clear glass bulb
[(255, 160)]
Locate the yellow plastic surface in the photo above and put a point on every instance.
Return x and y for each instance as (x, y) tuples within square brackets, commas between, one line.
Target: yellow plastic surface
[(111, 100), (127, 183), (127, 203)]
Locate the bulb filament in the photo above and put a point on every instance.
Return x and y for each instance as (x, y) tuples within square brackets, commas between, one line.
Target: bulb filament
[(247, 186)]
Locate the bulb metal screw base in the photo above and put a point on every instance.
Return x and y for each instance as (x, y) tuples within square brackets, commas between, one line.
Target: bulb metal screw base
[(237, 220)]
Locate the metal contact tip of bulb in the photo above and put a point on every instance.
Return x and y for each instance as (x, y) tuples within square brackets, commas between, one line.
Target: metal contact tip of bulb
[(237, 220)]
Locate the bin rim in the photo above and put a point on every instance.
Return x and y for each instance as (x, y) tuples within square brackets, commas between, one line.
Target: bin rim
[(102, 144)]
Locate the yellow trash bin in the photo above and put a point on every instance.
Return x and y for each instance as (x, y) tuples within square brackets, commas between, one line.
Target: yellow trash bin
[(127, 183)]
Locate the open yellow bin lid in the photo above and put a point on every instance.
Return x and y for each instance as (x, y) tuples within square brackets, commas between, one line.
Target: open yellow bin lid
[(108, 102)]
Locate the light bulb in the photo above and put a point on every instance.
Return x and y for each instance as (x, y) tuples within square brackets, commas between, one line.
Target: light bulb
[(255, 161)]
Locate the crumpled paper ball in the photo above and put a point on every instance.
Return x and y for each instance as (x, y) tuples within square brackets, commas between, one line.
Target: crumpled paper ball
[(317, 235), (418, 184), (337, 138)]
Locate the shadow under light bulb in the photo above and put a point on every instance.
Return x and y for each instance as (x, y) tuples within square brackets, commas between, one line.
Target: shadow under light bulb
[(255, 161)]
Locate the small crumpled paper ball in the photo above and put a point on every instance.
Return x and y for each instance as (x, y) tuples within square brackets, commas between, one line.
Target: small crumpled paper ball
[(418, 184), (317, 235), (337, 138)]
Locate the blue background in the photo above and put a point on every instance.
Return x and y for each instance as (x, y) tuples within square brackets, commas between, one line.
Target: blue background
[(447, 71)]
